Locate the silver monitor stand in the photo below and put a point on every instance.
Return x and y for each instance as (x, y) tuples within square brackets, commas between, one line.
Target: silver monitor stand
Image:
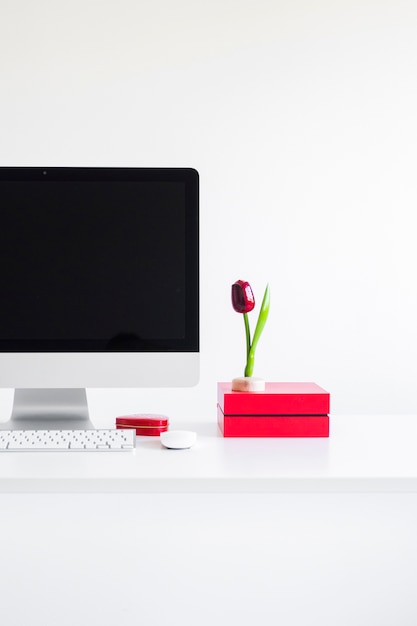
[(50, 409)]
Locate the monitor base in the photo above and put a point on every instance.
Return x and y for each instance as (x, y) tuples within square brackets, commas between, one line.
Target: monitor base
[(49, 409)]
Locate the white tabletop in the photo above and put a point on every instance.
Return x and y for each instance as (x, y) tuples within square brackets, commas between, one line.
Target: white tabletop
[(363, 453)]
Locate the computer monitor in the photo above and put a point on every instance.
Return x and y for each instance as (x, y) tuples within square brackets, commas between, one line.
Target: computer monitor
[(99, 286)]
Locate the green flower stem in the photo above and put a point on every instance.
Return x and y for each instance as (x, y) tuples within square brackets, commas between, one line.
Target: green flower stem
[(247, 331), (250, 363)]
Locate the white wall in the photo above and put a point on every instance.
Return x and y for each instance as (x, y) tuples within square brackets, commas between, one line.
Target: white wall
[(300, 117)]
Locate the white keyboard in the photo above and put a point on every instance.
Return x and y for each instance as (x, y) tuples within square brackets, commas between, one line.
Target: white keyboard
[(67, 440)]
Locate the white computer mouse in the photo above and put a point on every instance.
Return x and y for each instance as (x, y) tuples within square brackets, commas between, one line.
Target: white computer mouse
[(178, 439)]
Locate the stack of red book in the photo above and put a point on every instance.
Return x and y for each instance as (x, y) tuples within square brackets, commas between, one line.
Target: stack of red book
[(282, 410)]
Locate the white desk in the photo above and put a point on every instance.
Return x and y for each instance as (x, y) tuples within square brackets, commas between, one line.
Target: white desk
[(363, 454), (232, 531)]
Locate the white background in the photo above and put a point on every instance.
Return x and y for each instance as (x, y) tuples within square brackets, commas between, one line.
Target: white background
[(301, 119), (300, 116)]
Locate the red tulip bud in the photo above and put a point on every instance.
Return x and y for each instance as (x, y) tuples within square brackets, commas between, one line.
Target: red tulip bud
[(243, 300)]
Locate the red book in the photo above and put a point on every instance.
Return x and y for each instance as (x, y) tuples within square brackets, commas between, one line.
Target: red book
[(273, 425), (277, 399)]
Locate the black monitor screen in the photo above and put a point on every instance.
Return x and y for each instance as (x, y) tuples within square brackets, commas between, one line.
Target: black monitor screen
[(98, 259)]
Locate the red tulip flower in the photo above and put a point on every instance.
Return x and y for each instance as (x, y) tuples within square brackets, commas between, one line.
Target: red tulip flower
[(243, 301)]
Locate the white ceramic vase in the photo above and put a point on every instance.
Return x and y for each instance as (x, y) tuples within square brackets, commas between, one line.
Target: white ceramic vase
[(248, 384)]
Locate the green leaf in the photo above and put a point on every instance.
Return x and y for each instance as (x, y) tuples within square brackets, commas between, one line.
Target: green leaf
[(263, 316)]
